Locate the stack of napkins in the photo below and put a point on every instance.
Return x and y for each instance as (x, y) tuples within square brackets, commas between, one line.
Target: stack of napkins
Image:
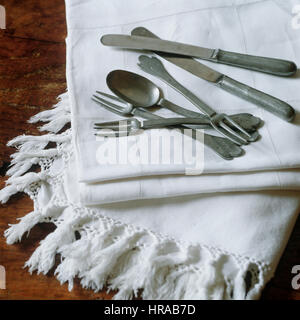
[(217, 234), (266, 164)]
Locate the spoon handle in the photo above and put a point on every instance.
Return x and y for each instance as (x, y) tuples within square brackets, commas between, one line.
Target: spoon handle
[(154, 67), (182, 111)]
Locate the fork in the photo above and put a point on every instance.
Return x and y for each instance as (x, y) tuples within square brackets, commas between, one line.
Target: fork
[(221, 146), (246, 120), (133, 125), (218, 121)]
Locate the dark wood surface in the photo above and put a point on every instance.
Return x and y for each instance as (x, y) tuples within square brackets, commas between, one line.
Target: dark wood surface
[(32, 75)]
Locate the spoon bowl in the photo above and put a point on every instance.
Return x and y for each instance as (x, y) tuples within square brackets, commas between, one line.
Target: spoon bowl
[(133, 88)]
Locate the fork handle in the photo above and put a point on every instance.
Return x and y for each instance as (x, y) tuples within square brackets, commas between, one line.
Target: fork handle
[(158, 123), (278, 107), (221, 146)]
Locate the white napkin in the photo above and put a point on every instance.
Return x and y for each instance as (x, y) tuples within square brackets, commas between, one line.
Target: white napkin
[(215, 245), (226, 237), (271, 152), (232, 224), (173, 186), (227, 25)]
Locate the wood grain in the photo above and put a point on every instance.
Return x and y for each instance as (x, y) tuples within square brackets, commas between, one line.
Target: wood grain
[(32, 75)]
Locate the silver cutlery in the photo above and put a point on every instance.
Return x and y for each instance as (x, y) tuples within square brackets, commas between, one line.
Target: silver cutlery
[(133, 125), (221, 146), (263, 64), (269, 103), (246, 120), (123, 108), (140, 91), (154, 67)]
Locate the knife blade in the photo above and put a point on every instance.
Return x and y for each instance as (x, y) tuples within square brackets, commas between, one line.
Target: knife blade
[(264, 64), (276, 106), (139, 42)]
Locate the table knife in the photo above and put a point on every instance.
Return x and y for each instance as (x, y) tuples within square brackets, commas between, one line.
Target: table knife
[(269, 103), (273, 66)]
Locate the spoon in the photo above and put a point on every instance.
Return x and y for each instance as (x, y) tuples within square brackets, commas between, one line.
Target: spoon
[(139, 91), (133, 89)]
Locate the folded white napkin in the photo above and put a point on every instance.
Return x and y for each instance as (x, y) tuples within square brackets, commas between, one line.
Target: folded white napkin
[(173, 186), (184, 245), (190, 26), (227, 25)]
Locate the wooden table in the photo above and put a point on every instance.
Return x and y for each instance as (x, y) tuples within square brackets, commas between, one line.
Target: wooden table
[(32, 75)]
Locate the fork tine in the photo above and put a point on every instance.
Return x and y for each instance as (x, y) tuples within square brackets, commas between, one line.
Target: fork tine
[(108, 105), (124, 126), (111, 124), (235, 139), (233, 123), (250, 137), (231, 131), (110, 96)]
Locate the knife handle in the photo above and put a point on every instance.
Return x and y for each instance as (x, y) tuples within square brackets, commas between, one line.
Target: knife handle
[(273, 66), (278, 107)]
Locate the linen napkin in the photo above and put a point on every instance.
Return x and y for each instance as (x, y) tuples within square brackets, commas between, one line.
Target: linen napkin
[(215, 245), (172, 186), (271, 153), (227, 25)]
